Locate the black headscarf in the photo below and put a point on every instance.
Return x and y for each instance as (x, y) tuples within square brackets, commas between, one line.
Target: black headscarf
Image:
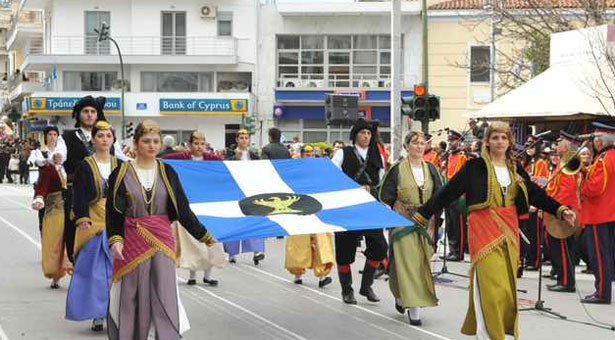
[(97, 103), (48, 129)]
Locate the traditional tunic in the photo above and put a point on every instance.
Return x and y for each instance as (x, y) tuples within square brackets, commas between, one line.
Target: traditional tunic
[(494, 239), (140, 209), (410, 251), (88, 294), (307, 251), (48, 190)]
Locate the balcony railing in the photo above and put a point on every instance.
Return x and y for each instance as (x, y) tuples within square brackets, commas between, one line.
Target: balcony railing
[(135, 45), (310, 80), (26, 19)]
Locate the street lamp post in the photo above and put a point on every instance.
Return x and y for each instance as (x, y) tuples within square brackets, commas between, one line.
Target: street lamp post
[(103, 34)]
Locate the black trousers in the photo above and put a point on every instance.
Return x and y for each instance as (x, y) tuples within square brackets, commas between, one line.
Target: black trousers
[(532, 227), (3, 172), (601, 245), (562, 259), (456, 230), (346, 245), (69, 223)]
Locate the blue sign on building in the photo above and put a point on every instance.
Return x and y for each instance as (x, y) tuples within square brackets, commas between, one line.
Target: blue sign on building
[(64, 105), (203, 106)]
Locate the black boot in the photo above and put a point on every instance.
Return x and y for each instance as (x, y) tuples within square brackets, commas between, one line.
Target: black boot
[(366, 284), (347, 292)]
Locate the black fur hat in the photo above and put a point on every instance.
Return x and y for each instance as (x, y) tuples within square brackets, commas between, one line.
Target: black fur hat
[(97, 103)]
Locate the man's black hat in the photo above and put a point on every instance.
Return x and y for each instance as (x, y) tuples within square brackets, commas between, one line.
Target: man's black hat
[(361, 124), (97, 103)]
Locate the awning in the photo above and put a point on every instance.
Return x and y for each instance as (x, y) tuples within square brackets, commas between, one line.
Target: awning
[(559, 93)]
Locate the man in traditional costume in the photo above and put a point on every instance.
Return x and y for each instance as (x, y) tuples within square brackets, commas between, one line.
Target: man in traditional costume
[(497, 189), (456, 224), (406, 186), (597, 202), (48, 196), (195, 257), (242, 152), (363, 163), (145, 195), (307, 251), (532, 223), (74, 146), (43, 156), (89, 290), (564, 189)]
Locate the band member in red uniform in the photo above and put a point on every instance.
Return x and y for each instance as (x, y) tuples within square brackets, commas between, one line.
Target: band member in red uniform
[(532, 224), (431, 155), (564, 189), (456, 228), (598, 200)]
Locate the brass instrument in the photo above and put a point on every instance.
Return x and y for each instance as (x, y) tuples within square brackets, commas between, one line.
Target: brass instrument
[(572, 163)]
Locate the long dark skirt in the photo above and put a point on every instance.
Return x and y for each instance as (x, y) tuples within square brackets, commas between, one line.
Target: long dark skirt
[(148, 297)]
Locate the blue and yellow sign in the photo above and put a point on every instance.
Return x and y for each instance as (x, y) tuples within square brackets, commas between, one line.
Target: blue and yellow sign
[(182, 106), (64, 105)]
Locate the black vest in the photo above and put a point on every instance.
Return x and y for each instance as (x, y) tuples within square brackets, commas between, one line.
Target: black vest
[(351, 167)]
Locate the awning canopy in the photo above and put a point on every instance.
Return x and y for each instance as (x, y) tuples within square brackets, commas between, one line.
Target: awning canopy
[(559, 93)]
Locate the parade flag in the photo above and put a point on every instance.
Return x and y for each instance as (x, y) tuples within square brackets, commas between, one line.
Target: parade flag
[(242, 200)]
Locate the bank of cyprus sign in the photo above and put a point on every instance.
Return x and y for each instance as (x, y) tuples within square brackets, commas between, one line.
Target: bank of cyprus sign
[(183, 106)]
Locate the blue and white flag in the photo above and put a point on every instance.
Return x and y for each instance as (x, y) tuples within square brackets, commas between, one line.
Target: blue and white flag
[(242, 200)]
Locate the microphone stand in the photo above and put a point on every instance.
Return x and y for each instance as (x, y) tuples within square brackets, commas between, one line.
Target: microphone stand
[(444, 270), (540, 304)]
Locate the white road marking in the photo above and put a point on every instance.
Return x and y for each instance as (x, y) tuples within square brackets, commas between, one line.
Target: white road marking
[(435, 335), (3, 335), (20, 232), (249, 312)]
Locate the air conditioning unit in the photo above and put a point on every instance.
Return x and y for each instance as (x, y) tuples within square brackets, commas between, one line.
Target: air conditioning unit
[(292, 83), (225, 85), (117, 84), (369, 83), (314, 83), (241, 86), (208, 11)]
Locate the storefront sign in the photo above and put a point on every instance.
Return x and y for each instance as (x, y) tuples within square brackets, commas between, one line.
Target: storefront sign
[(170, 106), (64, 105)]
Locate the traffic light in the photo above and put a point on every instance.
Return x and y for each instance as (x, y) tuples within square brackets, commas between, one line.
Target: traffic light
[(103, 32), (130, 130), (407, 106), (433, 105), (419, 107), (249, 124)]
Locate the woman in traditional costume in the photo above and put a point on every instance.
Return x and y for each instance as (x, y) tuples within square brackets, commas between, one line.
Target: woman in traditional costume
[(48, 196), (497, 191), (145, 195), (88, 294), (313, 251), (408, 185), (193, 255)]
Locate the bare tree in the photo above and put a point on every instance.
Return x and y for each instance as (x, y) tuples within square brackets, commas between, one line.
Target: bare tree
[(523, 30)]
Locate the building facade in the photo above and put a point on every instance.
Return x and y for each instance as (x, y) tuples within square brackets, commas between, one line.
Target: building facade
[(208, 65), (187, 64)]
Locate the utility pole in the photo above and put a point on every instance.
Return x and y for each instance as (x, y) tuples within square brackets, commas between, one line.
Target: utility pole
[(424, 49), (396, 126), (103, 34)]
